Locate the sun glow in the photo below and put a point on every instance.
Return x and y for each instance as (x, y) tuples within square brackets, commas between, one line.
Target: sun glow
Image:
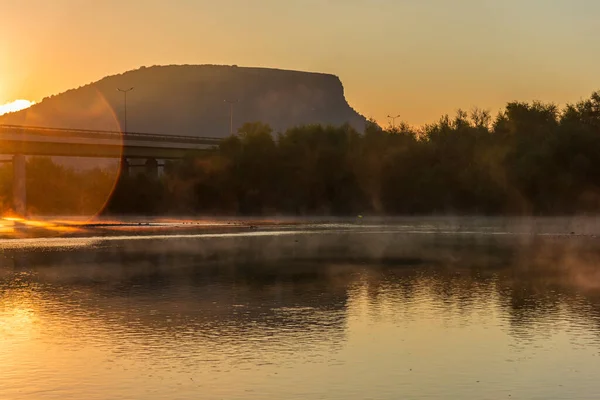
[(16, 105), (14, 225)]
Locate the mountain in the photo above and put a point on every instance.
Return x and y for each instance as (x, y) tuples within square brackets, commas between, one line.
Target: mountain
[(190, 100)]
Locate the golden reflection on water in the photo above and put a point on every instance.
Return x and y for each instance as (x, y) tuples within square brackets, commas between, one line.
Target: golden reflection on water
[(165, 326), (17, 227)]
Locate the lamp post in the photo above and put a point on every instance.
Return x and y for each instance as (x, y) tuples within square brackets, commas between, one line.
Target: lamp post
[(231, 103), (393, 118), (125, 91)]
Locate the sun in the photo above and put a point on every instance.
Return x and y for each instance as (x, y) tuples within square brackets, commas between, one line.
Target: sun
[(16, 105)]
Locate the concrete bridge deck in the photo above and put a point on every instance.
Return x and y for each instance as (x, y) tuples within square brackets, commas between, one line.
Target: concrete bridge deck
[(41, 141), (22, 141)]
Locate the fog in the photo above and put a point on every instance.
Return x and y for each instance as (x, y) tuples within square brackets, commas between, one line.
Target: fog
[(561, 248)]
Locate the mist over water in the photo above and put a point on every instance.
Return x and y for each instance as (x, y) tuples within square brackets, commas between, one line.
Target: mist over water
[(455, 309)]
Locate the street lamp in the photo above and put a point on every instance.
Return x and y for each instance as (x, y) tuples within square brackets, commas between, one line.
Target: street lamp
[(231, 103), (124, 91), (393, 120)]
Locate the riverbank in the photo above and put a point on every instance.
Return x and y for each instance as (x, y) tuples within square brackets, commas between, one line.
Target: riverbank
[(52, 227)]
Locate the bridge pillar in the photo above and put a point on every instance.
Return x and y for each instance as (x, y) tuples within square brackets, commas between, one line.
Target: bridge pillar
[(19, 184), (152, 168), (125, 167), (161, 168)]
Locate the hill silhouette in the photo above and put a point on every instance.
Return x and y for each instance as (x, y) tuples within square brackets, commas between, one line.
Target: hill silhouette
[(190, 100)]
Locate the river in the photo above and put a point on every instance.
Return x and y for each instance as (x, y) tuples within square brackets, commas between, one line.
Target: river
[(357, 310)]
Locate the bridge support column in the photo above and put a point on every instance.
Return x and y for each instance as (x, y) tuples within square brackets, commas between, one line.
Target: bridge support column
[(125, 167), (152, 168), (161, 168), (19, 184)]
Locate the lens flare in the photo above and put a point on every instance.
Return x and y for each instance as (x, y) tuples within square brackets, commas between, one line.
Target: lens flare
[(79, 178)]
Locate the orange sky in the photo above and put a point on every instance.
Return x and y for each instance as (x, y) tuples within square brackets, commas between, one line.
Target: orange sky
[(417, 58)]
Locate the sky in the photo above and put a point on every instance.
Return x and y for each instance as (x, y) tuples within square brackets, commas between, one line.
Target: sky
[(416, 58)]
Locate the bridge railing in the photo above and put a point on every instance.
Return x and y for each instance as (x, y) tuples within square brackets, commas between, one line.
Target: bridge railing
[(99, 134)]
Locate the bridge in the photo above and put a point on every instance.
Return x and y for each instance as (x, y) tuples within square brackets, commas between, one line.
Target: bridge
[(21, 141)]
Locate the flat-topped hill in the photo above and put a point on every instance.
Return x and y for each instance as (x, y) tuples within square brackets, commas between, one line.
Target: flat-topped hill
[(191, 100)]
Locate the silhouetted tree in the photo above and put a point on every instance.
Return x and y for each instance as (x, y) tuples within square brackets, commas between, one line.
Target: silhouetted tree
[(532, 158)]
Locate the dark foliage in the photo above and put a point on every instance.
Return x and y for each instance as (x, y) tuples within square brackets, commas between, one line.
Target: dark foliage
[(533, 158)]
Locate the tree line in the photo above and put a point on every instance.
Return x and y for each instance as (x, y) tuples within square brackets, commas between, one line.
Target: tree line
[(532, 158), (59, 190)]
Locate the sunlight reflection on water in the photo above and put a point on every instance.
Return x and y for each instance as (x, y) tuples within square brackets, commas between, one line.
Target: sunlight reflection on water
[(437, 318)]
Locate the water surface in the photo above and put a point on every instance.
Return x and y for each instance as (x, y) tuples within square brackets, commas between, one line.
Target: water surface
[(366, 312)]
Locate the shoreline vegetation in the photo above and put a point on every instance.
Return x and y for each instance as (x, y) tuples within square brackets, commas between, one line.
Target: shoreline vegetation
[(531, 159)]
